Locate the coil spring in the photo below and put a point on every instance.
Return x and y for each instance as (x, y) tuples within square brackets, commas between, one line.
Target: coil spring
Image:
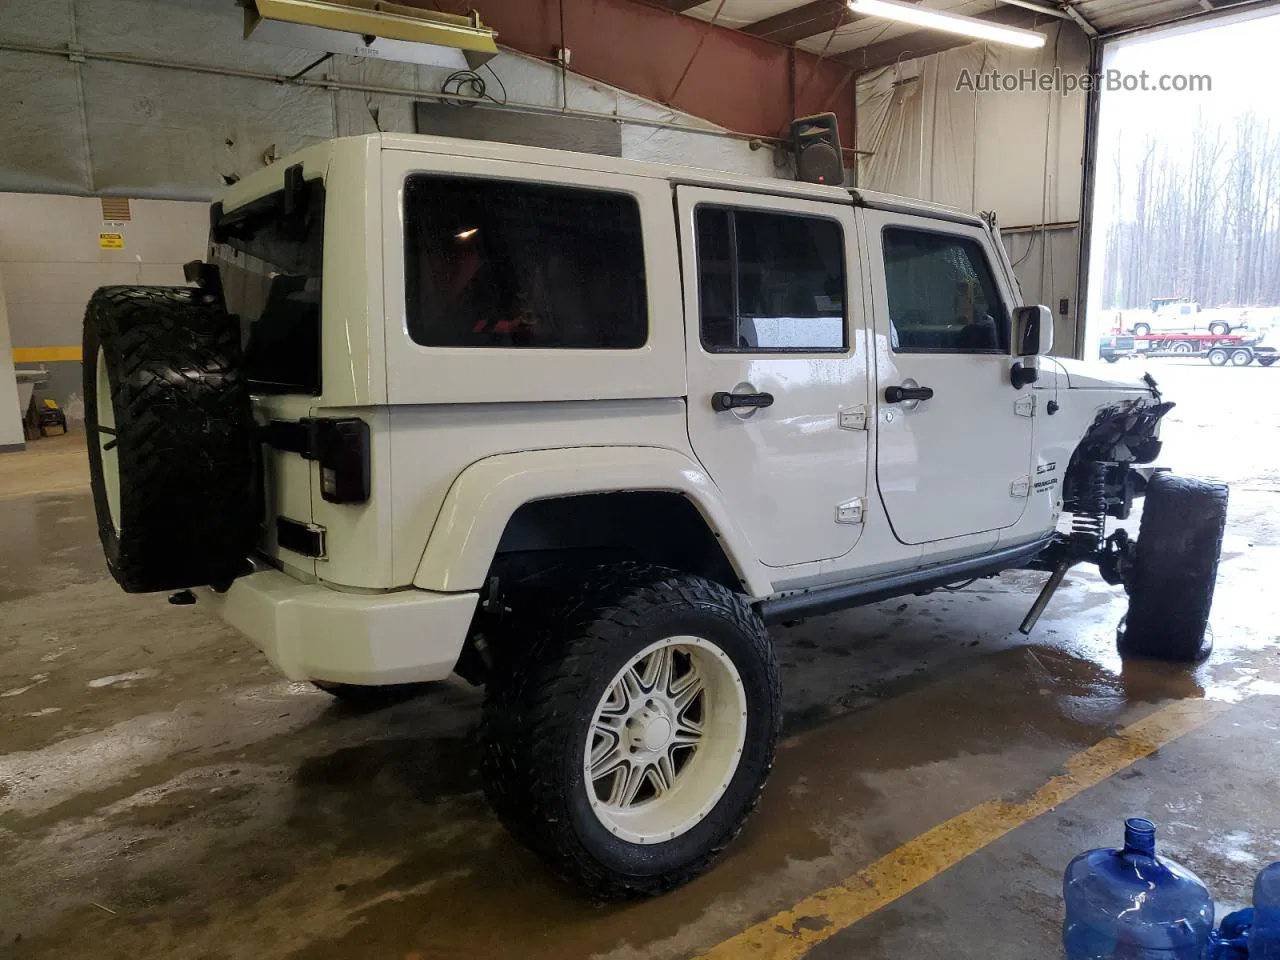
[(1091, 519)]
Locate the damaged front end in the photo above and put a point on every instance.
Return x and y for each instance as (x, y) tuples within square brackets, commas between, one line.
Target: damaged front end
[(1102, 480)]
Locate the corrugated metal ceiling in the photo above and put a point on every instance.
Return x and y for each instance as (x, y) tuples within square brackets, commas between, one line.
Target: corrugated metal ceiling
[(807, 23)]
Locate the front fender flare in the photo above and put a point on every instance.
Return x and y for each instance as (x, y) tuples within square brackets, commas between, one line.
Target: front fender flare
[(485, 495)]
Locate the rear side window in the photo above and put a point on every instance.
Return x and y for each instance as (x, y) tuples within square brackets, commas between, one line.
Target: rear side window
[(495, 263), (270, 264), (942, 297), (770, 282)]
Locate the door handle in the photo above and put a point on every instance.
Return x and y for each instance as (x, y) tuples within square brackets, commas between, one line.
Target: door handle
[(723, 400), (900, 394)]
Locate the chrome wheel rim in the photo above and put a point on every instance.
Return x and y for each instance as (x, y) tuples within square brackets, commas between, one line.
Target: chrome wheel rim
[(665, 740), (106, 434)]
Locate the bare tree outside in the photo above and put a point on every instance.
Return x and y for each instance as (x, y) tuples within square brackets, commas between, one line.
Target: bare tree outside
[(1187, 198)]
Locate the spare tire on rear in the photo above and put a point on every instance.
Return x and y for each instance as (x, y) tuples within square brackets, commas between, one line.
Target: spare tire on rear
[(170, 436)]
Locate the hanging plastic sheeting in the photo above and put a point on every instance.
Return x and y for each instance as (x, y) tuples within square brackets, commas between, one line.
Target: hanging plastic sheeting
[(933, 131)]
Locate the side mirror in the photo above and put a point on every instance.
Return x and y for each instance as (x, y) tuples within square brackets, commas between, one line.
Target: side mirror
[(1032, 331)]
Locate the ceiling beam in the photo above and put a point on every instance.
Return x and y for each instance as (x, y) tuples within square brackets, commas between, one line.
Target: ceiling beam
[(679, 61), (679, 6), (922, 43), (806, 20)]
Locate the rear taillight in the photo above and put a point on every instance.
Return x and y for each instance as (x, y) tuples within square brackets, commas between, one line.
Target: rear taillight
[(341, 447)]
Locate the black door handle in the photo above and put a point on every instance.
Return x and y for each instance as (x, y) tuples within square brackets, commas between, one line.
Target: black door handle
[(722, 400), (899, 394)]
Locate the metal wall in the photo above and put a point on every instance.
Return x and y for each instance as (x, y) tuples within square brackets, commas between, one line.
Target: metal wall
[(100, 126)]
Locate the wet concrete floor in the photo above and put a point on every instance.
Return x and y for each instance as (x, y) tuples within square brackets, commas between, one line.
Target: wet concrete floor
[(163, 793)]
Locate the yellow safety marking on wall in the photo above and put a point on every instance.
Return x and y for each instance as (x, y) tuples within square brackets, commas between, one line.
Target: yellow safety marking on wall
[(792, 933), (111, 241), (46, 354)]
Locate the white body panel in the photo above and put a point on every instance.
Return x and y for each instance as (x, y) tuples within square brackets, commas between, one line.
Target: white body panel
[(310, 632), (787, 468), (461, 438), (946, 466), (478, 505)]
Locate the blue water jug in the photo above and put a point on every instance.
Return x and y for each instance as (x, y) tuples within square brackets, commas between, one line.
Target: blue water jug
[(1129, 904), (1264, 938)]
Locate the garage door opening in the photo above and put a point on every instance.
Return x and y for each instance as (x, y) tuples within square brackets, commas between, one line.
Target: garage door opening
[(1184, 256)]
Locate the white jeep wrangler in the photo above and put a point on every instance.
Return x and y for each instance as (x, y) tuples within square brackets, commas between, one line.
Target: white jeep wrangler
[(579, 429)]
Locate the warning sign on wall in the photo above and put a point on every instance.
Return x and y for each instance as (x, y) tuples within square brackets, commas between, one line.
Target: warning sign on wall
[(111, 241)]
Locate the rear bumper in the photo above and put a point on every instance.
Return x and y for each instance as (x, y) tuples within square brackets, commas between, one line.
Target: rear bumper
[(311, 632)]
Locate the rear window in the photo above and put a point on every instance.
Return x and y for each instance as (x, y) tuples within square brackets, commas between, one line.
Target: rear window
[(270, 265), (494, 263)]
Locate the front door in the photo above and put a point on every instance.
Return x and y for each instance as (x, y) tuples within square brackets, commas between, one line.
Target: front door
[(954, 435), (778, 378)]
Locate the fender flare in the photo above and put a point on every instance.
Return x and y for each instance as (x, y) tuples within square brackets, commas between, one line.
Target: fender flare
[(484, 496)]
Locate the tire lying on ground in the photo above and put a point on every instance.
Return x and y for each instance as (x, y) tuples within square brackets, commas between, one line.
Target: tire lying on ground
[(171, 438), (1176, 567)]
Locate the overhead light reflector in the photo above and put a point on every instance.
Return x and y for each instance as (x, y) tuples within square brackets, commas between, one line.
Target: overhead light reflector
[(372, 28), (948, 22)]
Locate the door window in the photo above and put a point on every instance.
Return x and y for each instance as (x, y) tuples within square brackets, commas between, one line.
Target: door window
[(495, 263), (770, 282), (942, 296)]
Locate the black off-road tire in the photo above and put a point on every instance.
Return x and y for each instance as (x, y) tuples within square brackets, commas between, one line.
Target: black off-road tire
[(541, 700), (184, 437), (1219, 329), (1141, 329), (1176, 567)]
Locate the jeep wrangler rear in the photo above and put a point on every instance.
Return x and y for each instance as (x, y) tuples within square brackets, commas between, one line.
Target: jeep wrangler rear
[(578, 429)]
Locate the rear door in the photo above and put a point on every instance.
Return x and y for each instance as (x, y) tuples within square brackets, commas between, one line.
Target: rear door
[(958, 462), (271, 266), (773, 302)]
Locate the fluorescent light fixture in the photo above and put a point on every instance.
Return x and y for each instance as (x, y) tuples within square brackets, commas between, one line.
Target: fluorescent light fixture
[(466, 234), (948, 22)]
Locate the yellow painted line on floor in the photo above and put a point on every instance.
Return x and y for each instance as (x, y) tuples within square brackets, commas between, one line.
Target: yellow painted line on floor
[(45, 354), (820, 917)]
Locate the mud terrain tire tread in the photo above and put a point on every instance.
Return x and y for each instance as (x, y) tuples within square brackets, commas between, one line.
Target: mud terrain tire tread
[(1171, 588), (185, 437), (539, 702)]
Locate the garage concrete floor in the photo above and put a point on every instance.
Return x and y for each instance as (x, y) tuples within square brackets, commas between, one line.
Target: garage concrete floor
[(163, 793)]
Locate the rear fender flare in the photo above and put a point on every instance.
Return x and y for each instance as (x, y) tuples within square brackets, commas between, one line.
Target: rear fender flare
[(486, 494)]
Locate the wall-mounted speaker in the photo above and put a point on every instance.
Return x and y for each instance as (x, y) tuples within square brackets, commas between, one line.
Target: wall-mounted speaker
[(816, 142)]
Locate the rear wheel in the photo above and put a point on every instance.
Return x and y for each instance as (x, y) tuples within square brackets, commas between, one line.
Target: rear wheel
[(1141, 329), (1181, 347), (1175, 569), (1241, 358), (170, 437), (628, 735), (1219, 329), (1218, 357)]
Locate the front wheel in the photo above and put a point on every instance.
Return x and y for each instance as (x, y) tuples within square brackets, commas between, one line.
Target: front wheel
[(1175, 569), (628, 735), (1219, 329), (1141, 329), (1218, 357)]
